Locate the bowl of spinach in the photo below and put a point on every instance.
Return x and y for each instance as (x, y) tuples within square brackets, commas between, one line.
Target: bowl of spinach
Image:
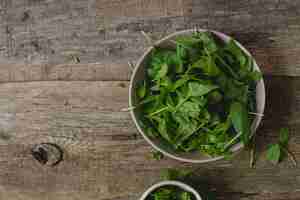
[(197, 96), (171, 190)]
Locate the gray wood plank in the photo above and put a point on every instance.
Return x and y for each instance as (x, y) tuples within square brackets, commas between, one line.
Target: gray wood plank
[(52, 33)]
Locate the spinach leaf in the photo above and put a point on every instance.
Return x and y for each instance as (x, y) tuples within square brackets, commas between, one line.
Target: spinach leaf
[(215, 97), (239, 118), (185, 130), (162, 128), (236, 51), (141, 91), (274, 153), (207, 65), (188, 41), (156, 155), (163, 71), (197, 89), (207, 40), (191, 109), (175, 174), (179, 83), (185, 196), (277, 151)]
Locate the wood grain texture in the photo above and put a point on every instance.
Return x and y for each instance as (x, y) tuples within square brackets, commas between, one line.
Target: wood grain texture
[(53, 33), (64, 79), (105, 156)]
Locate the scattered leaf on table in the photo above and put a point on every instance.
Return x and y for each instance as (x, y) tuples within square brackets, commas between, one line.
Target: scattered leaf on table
[(274, 153)]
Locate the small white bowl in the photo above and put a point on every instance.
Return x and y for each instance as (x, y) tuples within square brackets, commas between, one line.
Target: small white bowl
[(139, 74), (181, 185)]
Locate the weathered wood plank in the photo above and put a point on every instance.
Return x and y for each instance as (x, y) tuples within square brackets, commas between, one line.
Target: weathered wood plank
[(53, 33), (140, 8), (118, 71), (105, 156)]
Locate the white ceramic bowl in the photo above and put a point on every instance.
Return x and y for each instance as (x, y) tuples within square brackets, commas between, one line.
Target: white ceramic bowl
[(181, 185), (139, 74)]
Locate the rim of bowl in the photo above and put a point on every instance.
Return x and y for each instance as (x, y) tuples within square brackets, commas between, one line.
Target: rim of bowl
[(235, 148), (179, 184)]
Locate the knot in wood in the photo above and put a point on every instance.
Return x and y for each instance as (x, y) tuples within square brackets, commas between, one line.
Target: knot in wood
[(47, 154)]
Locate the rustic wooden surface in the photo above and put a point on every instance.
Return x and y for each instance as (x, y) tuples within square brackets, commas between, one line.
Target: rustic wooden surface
[(64, 79)]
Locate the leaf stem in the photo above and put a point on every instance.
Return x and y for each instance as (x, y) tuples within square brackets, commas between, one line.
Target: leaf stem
[(128, 109), (189, 135), (182, 102), (232, 140), (188, 70), (133, 107), (252, 152), (148, 38), (158, 111), (252, 159)]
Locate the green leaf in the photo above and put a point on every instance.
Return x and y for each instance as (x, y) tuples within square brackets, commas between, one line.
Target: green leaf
[(156, 155), (162, 128), (207, 40), (163, 70), (228, 69), (255, 76), (233, 91), (284, 136), (202, 101), (207, 65), (179, 83), (198, 89), (170, 102), (215, 97), (151, 104), (180, 57), (185, 196), (274, 153), (239, 118), (163, 194), (235, 50), (191, 109), (150, 132), (175, 174), (141, 91), (209, 43), (167, 83), (187, 41), (186, 130), (148, 99)]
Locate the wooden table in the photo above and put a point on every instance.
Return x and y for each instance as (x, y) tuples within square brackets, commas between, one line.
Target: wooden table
[(64, 80)]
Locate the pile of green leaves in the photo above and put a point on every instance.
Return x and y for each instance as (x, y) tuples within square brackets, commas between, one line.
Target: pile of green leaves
[(170, 193), (197, 96)]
